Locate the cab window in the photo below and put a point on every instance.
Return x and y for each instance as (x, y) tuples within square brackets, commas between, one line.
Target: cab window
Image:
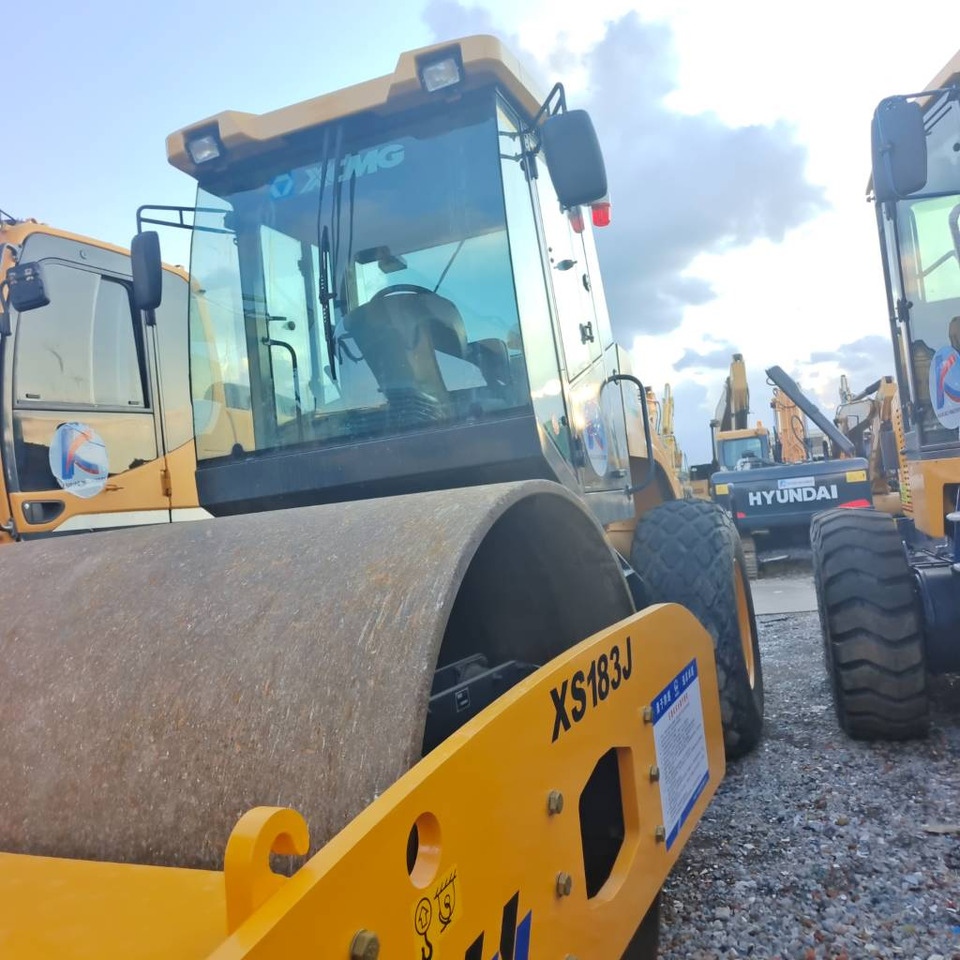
[(82, 349)]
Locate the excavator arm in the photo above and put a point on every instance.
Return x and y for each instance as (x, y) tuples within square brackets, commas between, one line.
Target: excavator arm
[(789, 386)]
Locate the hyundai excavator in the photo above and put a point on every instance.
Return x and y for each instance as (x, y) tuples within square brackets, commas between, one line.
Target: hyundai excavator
[(772, 502), (452, 671)]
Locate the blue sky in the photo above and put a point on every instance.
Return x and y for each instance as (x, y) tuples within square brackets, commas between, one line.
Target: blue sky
[(99, 85), (94, 89)]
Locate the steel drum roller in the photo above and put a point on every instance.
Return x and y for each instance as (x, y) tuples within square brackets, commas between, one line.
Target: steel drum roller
[(156, 683)]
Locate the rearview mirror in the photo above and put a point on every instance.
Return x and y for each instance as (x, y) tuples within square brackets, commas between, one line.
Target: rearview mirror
[(899, 144), (147, 270), (25, 283), (574, 159)]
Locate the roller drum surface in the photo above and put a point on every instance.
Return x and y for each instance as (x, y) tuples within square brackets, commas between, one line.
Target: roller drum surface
[(157, 683)]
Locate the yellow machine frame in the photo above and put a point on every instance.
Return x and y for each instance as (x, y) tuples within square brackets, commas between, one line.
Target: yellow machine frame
[(495, 807)]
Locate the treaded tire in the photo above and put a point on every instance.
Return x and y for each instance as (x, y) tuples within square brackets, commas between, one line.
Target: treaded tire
[(750, 556), (688, 552), (872, 626)]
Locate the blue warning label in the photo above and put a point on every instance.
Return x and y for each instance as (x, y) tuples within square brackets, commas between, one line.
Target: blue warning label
[(681, 745)]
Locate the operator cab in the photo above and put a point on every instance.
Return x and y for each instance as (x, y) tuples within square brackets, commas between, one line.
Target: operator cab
[(750, 446), (404, 296), (916, 183)]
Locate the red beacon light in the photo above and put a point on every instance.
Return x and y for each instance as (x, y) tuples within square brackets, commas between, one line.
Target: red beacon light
[(601, 213), (575, 215)]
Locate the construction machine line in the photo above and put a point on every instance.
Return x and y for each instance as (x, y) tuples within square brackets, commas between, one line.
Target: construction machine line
[(872, 421), (411, 626), (888, 589), (772, 502)]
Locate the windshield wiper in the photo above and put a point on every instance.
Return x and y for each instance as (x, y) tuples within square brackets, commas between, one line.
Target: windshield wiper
[(325, 297), (323, 252)]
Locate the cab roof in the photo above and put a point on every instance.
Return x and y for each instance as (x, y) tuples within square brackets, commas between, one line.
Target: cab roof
[(485, 59)]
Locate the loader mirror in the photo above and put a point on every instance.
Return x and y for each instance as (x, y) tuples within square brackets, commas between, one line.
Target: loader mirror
[(25, 283), (147, 270), (899, 146), (574, 159)]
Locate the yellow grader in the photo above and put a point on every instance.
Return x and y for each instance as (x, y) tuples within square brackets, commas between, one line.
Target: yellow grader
[(889, 589), (451, 635)]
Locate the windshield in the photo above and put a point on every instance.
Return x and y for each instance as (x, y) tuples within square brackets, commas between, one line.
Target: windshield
[(927, 229), (733, 451), (365, 291)]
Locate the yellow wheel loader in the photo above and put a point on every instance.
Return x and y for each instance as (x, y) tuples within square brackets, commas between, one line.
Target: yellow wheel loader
[(889, 589), (96, 429), (451, 635)]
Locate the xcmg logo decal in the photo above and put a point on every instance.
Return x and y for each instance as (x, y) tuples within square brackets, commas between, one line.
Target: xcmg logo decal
[(78, 459), (360, 164)]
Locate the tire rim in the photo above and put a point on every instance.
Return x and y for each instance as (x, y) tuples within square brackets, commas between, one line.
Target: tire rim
[(743, 622)]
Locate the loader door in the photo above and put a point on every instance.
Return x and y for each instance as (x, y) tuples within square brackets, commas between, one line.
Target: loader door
[(82, 435)]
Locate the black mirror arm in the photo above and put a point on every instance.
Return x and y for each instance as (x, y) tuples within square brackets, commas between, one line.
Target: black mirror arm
[(651, 465), (546, 109)]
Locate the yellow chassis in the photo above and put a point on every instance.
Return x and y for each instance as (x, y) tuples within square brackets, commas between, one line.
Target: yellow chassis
[(486, 805)]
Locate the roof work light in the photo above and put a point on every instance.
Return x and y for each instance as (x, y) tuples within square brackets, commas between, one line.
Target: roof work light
[(204, 148), (441, 70)]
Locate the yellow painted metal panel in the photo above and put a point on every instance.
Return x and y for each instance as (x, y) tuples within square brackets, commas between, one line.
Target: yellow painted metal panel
[(482, 802)]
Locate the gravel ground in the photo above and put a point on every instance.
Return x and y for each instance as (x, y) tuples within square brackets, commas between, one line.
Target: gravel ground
[(815, 845)]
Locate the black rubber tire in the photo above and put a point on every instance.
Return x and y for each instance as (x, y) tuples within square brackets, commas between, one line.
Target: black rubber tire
[(645, 944), (872, 625), (750, 556), (688, 552)]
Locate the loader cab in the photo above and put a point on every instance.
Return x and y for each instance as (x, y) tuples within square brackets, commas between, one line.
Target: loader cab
[(405, 297), (916, 184), (92, 436)]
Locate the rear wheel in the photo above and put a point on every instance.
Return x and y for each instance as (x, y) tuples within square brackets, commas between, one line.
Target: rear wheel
[(872, 627), (688, 552)]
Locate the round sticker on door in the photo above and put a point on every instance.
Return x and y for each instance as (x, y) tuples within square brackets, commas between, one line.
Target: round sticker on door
[(78, 459), (945, 386), (595, 436)]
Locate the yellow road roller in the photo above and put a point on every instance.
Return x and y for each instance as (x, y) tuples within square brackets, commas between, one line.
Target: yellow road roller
[(452, 671)]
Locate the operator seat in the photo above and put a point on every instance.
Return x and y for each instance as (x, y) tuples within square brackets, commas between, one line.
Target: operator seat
[(398, 332)]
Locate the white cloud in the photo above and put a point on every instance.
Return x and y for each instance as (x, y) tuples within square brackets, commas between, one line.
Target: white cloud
[(810, 73)]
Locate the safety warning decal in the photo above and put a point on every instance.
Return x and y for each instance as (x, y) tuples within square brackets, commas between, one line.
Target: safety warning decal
[(433, 914), (681, 745), (945, 386), (78, 459)]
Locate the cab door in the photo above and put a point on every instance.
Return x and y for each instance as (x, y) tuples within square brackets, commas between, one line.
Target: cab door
[(82, 435), (584, 333)]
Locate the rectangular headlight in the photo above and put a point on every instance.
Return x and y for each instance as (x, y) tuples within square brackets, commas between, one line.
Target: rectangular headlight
[(205, 148), (444, 69)]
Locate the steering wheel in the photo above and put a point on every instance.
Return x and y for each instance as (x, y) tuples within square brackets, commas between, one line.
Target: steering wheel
[(400, 288)]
